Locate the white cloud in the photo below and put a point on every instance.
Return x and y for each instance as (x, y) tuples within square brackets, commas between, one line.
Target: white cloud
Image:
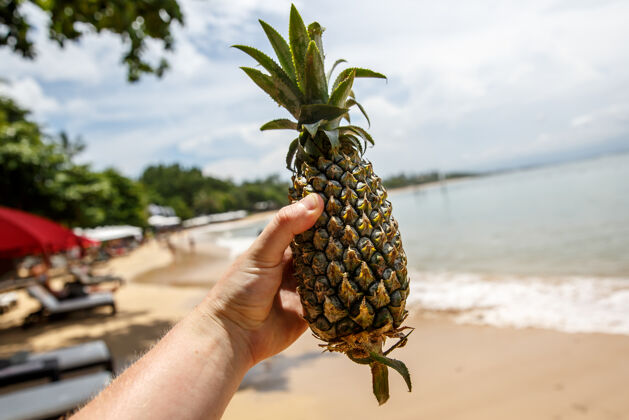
[(609, 115), (30, 95), (240, 169), (469, 84), (224, 19)]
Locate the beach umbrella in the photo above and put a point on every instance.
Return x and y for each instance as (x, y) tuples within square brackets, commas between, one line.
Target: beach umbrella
[(24, 234)]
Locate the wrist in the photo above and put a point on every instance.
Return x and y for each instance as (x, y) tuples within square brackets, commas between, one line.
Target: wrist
[(211, 323)]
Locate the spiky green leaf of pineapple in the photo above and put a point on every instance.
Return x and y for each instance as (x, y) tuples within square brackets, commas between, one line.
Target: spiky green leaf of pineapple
[(350, 267)]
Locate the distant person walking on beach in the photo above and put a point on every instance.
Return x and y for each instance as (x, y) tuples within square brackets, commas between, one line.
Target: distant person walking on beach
[(251, 314), (171, 247), (191, 244)]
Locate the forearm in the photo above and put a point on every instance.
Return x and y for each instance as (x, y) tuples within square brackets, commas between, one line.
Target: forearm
[(191, 373), (252, 313)]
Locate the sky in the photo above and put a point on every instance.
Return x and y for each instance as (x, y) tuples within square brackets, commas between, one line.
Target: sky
[(471, 85)]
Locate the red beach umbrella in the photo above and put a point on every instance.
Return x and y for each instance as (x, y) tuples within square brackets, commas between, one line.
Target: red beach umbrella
[(23, 234)]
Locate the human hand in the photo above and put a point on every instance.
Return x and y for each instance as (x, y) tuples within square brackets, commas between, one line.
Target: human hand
[(256, 299), (252, 313)]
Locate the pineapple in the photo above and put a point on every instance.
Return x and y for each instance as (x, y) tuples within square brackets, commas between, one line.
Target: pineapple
[(350, 267)]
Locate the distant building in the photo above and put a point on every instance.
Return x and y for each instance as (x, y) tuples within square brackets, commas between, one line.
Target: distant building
[(265, 205), (155, 210), (162, 217)]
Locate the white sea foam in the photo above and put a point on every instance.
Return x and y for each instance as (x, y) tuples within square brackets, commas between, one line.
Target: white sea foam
[(236, 244), (569, 304)]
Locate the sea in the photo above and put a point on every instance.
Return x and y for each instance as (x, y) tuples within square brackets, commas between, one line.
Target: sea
[(546, 247)]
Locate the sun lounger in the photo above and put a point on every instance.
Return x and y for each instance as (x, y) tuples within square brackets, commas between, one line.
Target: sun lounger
[(52, 306), (88, 279), (25, 366), (7, 301), (6, 285), (52, 399), (28, 371), (91, 354)]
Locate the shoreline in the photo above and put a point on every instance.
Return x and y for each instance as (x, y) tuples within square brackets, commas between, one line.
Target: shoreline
[(550, 302), (429, 185), (202, 266), (458, 371)]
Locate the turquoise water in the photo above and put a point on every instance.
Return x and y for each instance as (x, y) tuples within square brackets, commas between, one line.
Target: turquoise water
[(543, 248), (570, 219)]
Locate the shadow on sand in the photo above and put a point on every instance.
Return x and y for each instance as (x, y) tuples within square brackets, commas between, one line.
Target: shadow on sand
[(127, 340), (199, 269), (272, 374)]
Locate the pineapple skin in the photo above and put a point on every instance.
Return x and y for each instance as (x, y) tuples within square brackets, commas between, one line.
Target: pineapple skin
[(350, 266)]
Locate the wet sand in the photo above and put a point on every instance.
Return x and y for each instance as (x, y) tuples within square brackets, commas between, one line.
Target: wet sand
[(458, 371), (145, 313)]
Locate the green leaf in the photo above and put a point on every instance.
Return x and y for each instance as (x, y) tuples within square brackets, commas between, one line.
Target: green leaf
[(380, 382), (300, 154), (353, 102), (313, 127), (281, 48), (271, 66), (282, 94), (333, 136), (314, 32), (358, 130), (394, 364), (311, 148), (348, 138), (281, 124), (401, 342), (336, 63), (292, 149), (315, 85), (339, 96), (359, 73), (315, 112), (360, 360), (298, 38)]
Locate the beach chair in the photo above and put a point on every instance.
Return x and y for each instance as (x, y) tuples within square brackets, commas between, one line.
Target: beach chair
[(24, 366), (90, 280), (20, 372), (82, 356), (51, 306), (9, 284), (8, 301), (52, 399)]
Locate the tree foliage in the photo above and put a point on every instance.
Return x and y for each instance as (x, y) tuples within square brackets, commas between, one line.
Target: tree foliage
[(404, 180), (135, 22), (38, 175), (191, 193)]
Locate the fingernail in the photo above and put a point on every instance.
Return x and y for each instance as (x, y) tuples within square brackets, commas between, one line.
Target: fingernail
[(310, 202)]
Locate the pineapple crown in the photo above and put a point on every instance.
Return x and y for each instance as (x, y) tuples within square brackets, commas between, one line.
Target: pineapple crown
[(299, 84)]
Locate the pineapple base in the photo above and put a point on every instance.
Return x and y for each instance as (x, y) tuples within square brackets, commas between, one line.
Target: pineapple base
[(366, 348), (360, 345)]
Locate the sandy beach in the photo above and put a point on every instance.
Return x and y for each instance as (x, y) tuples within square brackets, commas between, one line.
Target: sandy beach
[(458, 371)]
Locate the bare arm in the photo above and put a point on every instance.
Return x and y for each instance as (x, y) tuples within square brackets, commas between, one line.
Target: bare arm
[(251, 314)]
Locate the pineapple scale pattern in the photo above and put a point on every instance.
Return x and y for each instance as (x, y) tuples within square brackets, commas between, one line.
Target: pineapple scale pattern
[(350, 267)]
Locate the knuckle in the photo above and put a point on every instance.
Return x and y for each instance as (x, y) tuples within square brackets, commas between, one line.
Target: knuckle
[(285, 215)]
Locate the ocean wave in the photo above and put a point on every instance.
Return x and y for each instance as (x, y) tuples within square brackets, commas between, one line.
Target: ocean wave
[(568, 304), (236, 244)]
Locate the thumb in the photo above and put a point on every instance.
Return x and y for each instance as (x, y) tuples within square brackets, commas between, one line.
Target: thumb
[(269, 247)]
